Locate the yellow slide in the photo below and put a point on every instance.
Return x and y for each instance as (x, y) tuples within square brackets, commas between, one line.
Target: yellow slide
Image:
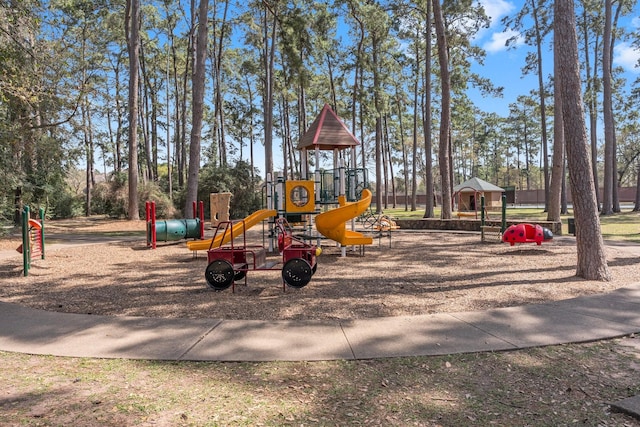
[(333, 224), (238, 228)]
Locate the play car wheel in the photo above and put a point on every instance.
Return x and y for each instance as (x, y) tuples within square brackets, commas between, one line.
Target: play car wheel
[(219, 274), (239, 275), (297, 272)]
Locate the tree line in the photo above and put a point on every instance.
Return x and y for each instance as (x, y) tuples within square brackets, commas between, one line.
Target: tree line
[(148, 92)]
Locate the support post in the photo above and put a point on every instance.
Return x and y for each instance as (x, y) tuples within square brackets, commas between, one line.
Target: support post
[(153, 225), (504, 213), (26, 244), (201, 206), (41, 214)]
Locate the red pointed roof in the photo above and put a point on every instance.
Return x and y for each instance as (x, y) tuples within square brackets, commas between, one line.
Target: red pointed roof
[(327, 132)]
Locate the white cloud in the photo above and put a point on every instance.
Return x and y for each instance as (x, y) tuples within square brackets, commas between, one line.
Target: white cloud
[(626, 56), (498, 41), (496, 9)]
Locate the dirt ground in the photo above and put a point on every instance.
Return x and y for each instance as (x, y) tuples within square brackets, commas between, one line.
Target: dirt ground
[(410, 273)]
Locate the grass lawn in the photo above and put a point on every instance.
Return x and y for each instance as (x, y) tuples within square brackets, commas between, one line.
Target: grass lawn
[(623, 226), (548, 386)]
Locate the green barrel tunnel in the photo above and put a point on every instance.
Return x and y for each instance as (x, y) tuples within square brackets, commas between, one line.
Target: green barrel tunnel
[(177, 229)]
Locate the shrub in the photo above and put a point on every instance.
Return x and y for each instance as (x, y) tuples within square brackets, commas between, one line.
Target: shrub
[(66, 205), (150, 191), (236, 180), (112, 198)]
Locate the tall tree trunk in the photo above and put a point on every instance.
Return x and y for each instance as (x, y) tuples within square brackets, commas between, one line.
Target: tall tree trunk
[(154, 136), (181, 116), (609, 173), (414, 148), (543, 112), (332, 86), (592, 99), (145, 123), (356, 106), (251, 130), (557, 171), (426, 120), (564, 202), (388, 177), (268, 59), (147, 106), (198, 80), (414, 154), (378, 111), (615, 197), (86, 131), (217, 67), (132, 23), (445, 111), (168, 118), (592, 260), (636, 206), (385, 154), (117, 155), (378, 159)]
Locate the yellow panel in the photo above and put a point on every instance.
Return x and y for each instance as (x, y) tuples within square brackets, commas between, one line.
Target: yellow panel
[(300, 196)]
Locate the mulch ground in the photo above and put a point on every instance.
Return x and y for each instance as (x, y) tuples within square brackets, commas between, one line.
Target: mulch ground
[(410, 273)]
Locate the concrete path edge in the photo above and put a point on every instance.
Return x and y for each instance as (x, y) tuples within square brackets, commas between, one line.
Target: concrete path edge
[(581, 319)]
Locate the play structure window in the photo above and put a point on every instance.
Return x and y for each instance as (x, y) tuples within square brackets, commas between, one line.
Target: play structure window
[(299, 196)]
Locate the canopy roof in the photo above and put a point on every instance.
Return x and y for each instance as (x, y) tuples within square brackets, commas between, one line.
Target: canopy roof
[(327, 132), (476, 184)]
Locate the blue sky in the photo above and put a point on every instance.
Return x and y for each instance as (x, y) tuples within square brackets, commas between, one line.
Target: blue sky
[(503, 66)]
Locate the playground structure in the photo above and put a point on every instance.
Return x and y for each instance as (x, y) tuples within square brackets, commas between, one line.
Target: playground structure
[(303, 201), (228, 262), (333, 223), (32, 238), (234, 230), (173, 229), (516, 233), (219, 207), (307, 199), (526, 233)]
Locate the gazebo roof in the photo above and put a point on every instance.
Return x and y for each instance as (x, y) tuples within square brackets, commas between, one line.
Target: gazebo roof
[(476, 184), (327, 132)]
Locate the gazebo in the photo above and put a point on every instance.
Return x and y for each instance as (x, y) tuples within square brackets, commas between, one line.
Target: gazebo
[(469, 192)]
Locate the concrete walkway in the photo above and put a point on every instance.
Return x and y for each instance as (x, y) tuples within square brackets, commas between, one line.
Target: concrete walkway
[(579, 319), (575, 320)]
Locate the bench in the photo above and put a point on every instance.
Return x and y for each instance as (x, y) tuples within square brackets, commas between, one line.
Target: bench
[(466, 214), (490, 233)]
